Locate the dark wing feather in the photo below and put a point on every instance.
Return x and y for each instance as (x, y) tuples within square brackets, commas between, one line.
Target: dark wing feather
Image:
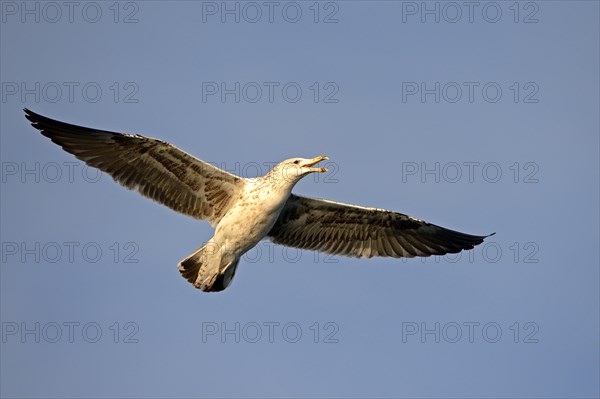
[(349, 230), (154, 168)]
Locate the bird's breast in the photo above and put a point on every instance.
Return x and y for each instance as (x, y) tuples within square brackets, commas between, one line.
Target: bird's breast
[(250, 218)]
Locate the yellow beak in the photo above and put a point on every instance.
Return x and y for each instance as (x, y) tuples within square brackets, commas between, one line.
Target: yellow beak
[(315, 161)]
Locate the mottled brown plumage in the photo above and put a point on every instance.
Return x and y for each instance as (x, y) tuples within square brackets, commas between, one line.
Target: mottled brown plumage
[(343, 229), (245, 211), (154, 168)]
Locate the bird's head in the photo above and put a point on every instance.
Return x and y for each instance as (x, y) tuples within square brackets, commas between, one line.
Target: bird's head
[(294, 169)]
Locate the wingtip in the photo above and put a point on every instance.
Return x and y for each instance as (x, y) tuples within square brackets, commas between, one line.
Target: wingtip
[(40, 122), (31, 116)]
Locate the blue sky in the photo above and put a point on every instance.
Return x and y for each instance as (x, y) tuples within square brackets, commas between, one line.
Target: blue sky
[(483, 121)]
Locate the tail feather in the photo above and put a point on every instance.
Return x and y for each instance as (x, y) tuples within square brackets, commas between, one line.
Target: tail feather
[(226, 275), (199, 270), (190, 266)]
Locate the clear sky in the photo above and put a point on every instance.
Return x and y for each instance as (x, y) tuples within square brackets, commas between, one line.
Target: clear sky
[(480, 117)]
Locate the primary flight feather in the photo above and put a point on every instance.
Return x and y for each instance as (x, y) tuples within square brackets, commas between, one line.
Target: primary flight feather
[(243, 211)]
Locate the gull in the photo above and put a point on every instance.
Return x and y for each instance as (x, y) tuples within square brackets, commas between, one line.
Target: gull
[(243, 211)]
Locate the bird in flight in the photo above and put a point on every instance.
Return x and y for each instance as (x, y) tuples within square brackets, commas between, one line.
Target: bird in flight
[(244, 211)]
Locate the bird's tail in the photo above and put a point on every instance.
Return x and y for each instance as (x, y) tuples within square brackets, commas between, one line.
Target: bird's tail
[(204, 270)]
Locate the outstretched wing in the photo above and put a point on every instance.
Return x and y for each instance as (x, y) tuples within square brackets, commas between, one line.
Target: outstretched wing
[(154, 168), (349, 230)]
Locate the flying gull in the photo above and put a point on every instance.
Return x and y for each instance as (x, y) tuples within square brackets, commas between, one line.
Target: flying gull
[(243, 211)]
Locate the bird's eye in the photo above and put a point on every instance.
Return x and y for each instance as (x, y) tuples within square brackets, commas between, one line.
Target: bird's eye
[(296, 162)]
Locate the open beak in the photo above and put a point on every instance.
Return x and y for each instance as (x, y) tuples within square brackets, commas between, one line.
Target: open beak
[(315, 161)]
